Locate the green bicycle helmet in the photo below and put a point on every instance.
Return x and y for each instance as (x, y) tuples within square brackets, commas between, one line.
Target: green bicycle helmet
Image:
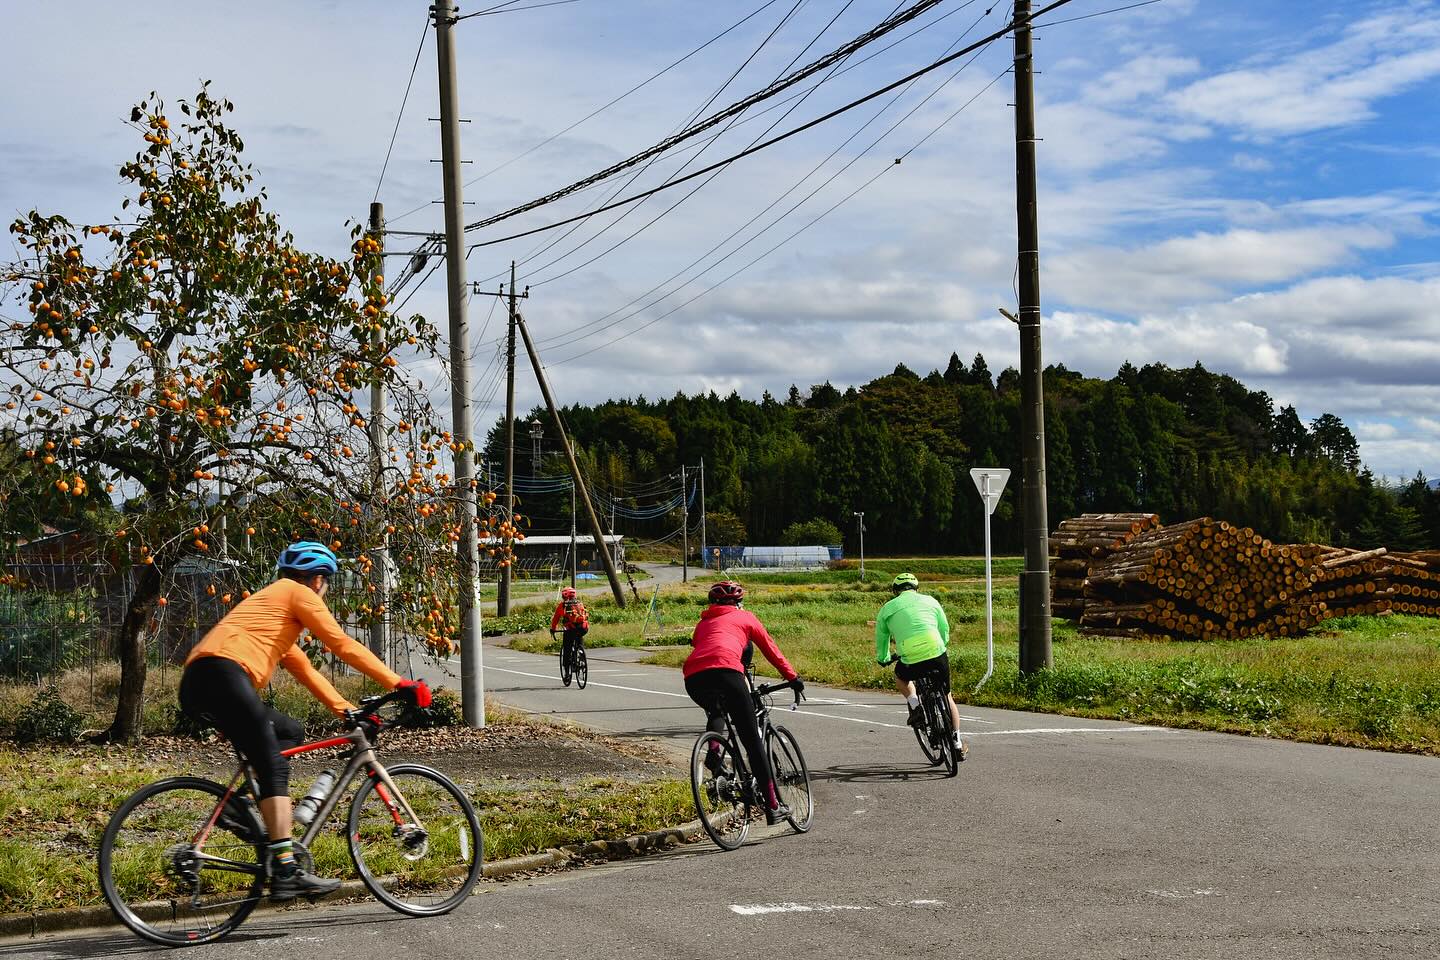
[(905, 581)]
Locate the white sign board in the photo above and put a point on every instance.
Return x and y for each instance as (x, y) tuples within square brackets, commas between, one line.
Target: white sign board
[(990, 481)]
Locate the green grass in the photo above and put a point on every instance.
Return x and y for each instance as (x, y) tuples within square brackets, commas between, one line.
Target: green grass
[(1360, 681), (57, 800)]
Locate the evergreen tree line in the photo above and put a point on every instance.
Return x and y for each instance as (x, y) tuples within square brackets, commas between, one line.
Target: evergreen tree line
[(1178, 442)]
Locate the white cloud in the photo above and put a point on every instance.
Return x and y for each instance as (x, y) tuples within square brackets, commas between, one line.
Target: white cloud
[(1251, 163), (1321, 88)]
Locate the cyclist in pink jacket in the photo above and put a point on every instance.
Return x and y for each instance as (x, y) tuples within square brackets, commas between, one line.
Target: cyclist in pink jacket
[(715, 679)]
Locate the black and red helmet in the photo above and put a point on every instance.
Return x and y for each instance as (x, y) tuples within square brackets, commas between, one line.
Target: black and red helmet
[(727, 591)]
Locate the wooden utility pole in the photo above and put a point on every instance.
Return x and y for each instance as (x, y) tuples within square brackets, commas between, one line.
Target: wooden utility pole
[(380, 570), (579, 481), (1035, 653), (502, 598), (704, 562), (467, 553)]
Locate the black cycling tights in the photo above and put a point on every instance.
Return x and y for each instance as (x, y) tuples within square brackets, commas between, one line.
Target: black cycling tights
[(724, 692), (218, 691)]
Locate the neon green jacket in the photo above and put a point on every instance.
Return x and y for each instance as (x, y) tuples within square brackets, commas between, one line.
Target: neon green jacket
[(917, 624)]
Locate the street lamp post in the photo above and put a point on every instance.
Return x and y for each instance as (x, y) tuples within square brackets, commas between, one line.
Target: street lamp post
[(860, 516)]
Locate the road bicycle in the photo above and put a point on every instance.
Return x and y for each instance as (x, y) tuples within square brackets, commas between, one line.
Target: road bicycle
[(725, 791), (935, 729), (184, 860), (573, 663)]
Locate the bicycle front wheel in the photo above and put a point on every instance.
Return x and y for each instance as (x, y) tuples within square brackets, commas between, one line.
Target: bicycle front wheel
[(423, 865), (792, 777), (717, 783), (167, 883), (582, 669), (945, 727)]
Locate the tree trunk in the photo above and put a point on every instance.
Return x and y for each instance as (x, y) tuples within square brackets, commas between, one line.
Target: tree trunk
[(134, 631)]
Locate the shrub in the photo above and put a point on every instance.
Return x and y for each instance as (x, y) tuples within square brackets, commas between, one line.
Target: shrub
[(445, 710), (49, 718), (810, 532)]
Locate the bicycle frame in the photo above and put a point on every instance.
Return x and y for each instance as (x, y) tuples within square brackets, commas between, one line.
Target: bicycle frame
[(362, 756)]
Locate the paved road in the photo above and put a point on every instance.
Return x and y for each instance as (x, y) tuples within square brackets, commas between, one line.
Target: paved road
[(1061, 838)]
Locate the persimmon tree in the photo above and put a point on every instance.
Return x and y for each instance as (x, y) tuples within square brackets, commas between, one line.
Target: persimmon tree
[(189, 359)]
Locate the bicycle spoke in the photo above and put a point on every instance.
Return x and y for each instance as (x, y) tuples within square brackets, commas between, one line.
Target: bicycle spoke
[(422, 865), (156, 879)]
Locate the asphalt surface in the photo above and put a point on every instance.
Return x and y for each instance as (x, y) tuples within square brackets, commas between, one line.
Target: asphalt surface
[(1060, 838)]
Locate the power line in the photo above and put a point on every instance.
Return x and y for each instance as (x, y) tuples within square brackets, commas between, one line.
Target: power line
[(881, 172), (649, 163), (1142, 3), (770, 206), (698, 187), (734, 109), (500, 8), (772, 141), (404, 100), (606, 106)]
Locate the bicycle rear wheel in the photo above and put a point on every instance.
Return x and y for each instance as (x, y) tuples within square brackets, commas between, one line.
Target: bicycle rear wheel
[(792, 777), (423, 866), (565, 664), (944, 725), (582, 668), (166, 886), (717, 783)]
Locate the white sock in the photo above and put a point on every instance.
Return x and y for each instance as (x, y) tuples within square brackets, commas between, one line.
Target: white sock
[(912, 701), (957, 738)]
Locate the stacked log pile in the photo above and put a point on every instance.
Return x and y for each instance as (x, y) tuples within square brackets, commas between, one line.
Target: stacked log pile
[(1415, 583), (1081, 542), (1207, 579)]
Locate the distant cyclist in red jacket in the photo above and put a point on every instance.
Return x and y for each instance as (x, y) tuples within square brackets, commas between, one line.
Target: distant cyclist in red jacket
[(715, 679), (569, 614)]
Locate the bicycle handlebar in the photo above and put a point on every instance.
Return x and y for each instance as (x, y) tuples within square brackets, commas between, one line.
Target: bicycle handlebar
[(765, 689)]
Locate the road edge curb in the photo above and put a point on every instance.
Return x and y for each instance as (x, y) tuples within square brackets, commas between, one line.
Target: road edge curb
[(31, 925)]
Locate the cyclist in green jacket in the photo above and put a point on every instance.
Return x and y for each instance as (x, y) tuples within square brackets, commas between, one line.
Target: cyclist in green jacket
[(916, 624)]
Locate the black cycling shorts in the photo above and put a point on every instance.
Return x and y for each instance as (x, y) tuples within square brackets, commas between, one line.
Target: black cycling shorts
[(938, 667), (218, 691)]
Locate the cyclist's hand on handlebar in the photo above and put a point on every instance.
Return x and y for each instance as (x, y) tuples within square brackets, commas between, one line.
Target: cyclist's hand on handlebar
[(416, 691), (799, 689)]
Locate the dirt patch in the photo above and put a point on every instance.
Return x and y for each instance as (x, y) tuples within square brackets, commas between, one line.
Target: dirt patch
[(514, 751)]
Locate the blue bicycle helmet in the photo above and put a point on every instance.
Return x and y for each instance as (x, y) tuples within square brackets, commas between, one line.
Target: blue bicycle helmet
[(307, 556)]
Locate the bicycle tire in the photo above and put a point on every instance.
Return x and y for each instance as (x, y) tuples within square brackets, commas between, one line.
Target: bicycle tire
[(792, 777), (922, 736), (565, 665), (720, 802), (582, 668), (141, 868), (450, 860), (946, 726)]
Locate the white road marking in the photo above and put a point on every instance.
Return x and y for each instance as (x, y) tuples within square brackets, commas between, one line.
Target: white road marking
[(1001, 733), (831, 716), (761, 909), (1183, 894)]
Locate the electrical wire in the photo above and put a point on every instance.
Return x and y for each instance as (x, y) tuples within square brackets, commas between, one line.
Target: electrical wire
[(500, 8), (773, 140), (606, 106), (403, 100), (1051, 23), (695, 129), (883, 170), (698, 187), (770, 206)]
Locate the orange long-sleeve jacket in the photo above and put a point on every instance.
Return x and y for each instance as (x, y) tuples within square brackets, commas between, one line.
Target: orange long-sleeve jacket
[(261, 633)]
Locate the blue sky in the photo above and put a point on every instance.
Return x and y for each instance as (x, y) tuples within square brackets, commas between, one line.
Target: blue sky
[(1254, 186)]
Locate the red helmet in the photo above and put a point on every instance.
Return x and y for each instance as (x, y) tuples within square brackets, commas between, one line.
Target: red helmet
[(568, 593), (727, 591)]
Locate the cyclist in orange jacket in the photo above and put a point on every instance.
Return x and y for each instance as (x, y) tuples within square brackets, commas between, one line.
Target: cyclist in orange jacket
[(225, 671), (569, 613)]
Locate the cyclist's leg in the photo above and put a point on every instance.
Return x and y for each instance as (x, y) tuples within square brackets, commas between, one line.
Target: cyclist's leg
[(734, 695), (940, 666), (905, 675)]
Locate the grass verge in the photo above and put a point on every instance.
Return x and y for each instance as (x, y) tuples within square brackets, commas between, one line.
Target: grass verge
[(1360, 681), (56, 802)]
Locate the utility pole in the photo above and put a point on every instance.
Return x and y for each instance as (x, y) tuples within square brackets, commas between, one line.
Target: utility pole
[(684, 529), (579, 481), (703, 562), (380, 612), (472, 667), (572, 533), (502, 588), (1035, 653)]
